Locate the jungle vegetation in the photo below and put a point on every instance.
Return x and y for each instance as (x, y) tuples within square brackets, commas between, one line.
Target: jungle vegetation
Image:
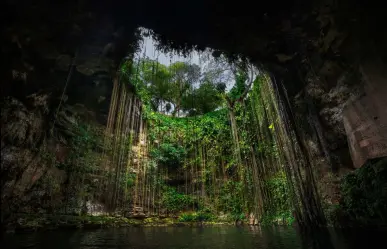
[(203, 143)]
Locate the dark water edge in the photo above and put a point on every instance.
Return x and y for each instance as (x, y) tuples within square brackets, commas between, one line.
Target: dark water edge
[(216, 237)]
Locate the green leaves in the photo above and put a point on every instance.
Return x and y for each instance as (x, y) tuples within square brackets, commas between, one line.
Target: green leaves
[(169, 155), (230, 198), (279, 208), (174, 201), (170, 89), (218, 155), (364, 193), (197, 216), (239, 87), (206, 98), (84, 147)]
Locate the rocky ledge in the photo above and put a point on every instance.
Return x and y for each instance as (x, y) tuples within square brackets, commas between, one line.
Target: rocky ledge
[(32, 223)]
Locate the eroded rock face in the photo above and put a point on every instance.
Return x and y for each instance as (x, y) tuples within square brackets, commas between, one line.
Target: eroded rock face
[(52, 77), (20, 126), (341, 131), (95, 208), (365, 119), (23, 133), (33, 148), (320, 108)]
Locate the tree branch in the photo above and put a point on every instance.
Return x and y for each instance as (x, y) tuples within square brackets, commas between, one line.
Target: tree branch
[(243, 95)]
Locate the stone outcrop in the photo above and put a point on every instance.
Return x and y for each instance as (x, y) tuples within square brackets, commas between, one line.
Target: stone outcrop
[(22, 131), (36, 139), (365, 119)]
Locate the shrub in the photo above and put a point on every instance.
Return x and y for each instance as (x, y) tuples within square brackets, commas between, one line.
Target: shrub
[(196, 216), (174, 201), (364, 194), (169, 155)]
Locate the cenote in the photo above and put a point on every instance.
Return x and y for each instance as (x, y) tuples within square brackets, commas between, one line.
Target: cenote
[(160, 124)]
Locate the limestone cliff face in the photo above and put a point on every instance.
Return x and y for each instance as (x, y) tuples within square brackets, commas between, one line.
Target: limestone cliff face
[(53, 79), (319, 112), (22, 136), (34, 145), (342, 121), (49, 87)]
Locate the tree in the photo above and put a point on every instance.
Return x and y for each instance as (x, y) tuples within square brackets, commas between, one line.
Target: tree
[(206, 98), (183, 76), (152, 82), (186, 87), (237, 94)]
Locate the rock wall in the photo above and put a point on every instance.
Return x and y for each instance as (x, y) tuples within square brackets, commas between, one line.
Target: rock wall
[(56, 75), (22, 134), (343, 119), (36, 154), (49, 88), (365, 119)]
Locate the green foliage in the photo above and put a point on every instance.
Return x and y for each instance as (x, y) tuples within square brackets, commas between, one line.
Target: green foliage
[(150, 79), (240, 85), (174, 201), (278, 188), (230, 199), (169, 155), (206, 98), (204, 141), (203, 145), (281, 218), (84, 147), (364, 194), (199, 216), (279, 209), (130, 181), (82, 158), (170, 89), (211, 128)]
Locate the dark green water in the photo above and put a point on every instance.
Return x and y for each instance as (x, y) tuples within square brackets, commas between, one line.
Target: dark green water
[(225, 237)]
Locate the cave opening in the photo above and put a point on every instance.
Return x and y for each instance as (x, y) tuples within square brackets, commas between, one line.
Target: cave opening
[(276, 117)]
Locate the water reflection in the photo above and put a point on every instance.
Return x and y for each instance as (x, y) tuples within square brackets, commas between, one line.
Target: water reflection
[(223, 237)]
